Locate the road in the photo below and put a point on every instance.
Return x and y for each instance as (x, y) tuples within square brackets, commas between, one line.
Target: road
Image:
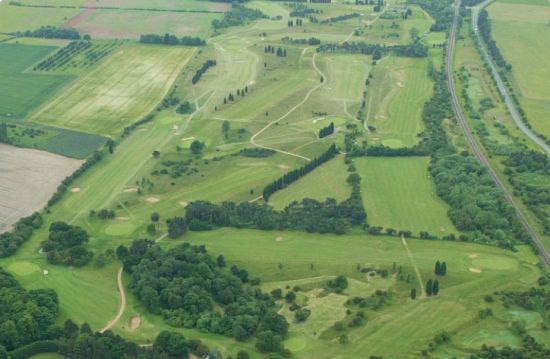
[(500, 83), (543, 253), (122, 303)]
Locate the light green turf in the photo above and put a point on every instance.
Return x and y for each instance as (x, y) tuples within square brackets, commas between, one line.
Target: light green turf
[(16, 18), (124, 88), (523, 36), (398, 193), (194, 5), (327, 181), (396, 96)]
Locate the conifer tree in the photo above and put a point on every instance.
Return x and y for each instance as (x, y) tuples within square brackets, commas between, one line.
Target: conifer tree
[(429, 287), (437, 268), (435, 288), (413, 293)]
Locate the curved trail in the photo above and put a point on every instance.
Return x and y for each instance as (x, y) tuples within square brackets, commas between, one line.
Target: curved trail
[(416, 270), (122, 303), (500, 84), (306, 97), (543, 253)]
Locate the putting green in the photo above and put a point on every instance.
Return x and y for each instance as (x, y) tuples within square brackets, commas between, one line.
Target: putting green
[(23, 268)]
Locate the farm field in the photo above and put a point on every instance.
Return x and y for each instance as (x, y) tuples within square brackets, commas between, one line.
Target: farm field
[(522, 33), (130, 24), (399, 88), (17, 18), (191, 5), (121, 90), (27, 180), (22, 90), (398, 193)]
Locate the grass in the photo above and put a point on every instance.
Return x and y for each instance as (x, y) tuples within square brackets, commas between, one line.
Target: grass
[(121, 90), (327, 181), (396, 95), (17, 18), (191, 5), (23, 90), (523, 35), (398, 193)]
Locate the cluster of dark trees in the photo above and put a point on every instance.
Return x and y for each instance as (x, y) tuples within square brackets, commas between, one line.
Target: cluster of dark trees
[(326, 131), (440, 269), (432, 287), (298, 22), (169, 39), (307, 215), (65, 245), (376, 50), (440, 10), (270, 49), (103, 213), (384, 151), (379, 5), (193, 290), (240, 92), (337, 285), (238, 15), (320, 1), (52, 32), (375, 301), (205, 66), (529, 348), (339, 18), (310, 41), (184, 108), (63, 56), (22, 231), (296, 174), (534, 299), (303, 11), (485, 31), (256, 152)]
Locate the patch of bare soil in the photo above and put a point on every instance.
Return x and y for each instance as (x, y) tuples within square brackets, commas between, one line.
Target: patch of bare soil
[(79, 19), (122, 218), (135, 322), (75, 189), (279, 239), (183, 203), (131, 189), (473, 255), (282, 167), (474, 270), (152, 199)]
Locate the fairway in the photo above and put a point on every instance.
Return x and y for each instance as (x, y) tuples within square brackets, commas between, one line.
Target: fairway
[(124, 88), (523, 35), (398, 193), (397, 93), (22, 90)]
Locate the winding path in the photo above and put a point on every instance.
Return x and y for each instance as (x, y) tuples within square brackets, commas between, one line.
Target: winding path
[(122, 303), (306, 97), (543, 253), (500, 83), (416, 270)]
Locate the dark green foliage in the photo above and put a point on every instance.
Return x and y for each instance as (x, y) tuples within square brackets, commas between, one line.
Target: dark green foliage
[(197, 76), (290, 297), (413, 293), (238, 15), (435, 287), (25, 316), (4, 133), (51, 32), (22, 230), (172, 344), (429, 287), (302, 314), (339, 18), (337, 285), (189, 288), (440, 10), (296, 174), (326, 131), (534, 299), (184, 108), (196, 147), (437, 270), (169, 39), (269, 342), (256, 152), (177, 227), (38, 347), (485, 31), (410, 50), (65, 245), (529, 349)]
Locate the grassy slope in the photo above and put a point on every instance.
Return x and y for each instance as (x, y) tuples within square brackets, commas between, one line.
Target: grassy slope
[(398, 193), (523, 35), (125, 87)]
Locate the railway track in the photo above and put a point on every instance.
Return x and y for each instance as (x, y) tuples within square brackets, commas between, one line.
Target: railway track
[(543, 253)]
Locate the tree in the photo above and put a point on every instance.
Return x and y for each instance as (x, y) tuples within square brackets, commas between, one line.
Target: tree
[(155, 217), (435, 288), (353, 179), (443, 268), (220, 260), (4, 133), (225, 128), (242, 354), (290, 297), (413, 293), (196, 147), (156, 154), (429, 287), (269, 342), (437, 268), (176, 227), (171, 343)]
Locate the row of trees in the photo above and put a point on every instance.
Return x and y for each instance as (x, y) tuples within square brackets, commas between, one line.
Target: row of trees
[(298, 22), (205, 66), (169, 39), (339, 18), (238, 15), (63, 55), (376, 50), (432, 287), (270, 49), (52, 32), (21, 232), (440, 268), (326, 131), (485, 31), (296, 174), (4, 137), (311, 41)]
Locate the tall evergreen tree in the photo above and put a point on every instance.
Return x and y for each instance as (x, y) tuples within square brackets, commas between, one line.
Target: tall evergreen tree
[(435, 288), (443, 268), (437, 268), (4, 133), (429, 287), (413, 293)]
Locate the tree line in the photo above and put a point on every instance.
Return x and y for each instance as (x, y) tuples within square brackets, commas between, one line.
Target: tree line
[(485, 30), (326, 131), (205, 66), (238, 15), (339, 18), (376, 50), (52, 32), (440, 10), (169, 39), (65, 245), (296, 174), (22, 230)]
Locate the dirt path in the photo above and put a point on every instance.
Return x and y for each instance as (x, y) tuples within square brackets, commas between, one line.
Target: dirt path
[(306, 97), (122, 303), (411, 258)]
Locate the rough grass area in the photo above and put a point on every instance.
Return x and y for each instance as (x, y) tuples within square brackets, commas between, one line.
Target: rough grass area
[(18, 18), (190, 5), (522, 33), (124, 88), (27, 180), (20, 89), (398, 193)]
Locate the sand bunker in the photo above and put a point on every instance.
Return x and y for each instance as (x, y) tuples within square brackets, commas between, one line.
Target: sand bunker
[(131, 189), (474, 270), (135, 322), (473, 255), (279, 238), (152, 199), (75, 189), (183, 203), (283, 167), (122, 218)]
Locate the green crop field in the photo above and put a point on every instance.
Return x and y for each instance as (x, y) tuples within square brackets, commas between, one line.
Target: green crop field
[(16, 18), (22, 90), (398, 193), (399, 88), (193, 5), (122, 89), (523, 35)]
